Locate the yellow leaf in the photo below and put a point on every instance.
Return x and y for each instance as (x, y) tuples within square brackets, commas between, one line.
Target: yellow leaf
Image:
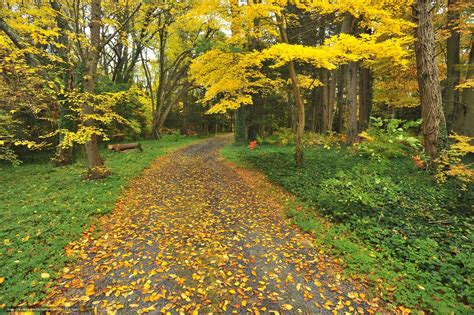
[(2, 280), (90, 289), (45, 275), (185, 297), (287, 307)]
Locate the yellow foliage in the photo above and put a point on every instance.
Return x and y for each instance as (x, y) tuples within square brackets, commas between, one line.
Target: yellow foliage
[(230, 75), (468, 84), (229, 78), (449, 163), (103, 114)]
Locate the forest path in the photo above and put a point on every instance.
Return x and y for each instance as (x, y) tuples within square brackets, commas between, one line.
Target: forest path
[(194, 234)]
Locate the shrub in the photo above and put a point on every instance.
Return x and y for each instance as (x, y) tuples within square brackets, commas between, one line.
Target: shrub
[(285, 136), (388, 138), (326, 140)]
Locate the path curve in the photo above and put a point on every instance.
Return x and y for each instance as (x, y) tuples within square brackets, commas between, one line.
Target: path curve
[(191, 234)]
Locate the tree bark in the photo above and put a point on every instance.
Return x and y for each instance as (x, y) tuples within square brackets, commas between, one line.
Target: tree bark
[(239, 133), (298, 99), (451, 96), (340, 98), (465, 118), (434, 124), (325, 100), (90, 78), (352, 102), (365, 97), (351, 86)]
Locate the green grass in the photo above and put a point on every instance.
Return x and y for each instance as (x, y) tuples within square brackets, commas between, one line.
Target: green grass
[(43, 208), (390, 222)]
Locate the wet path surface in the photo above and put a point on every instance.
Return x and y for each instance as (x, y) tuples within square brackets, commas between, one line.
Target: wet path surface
[(192, 235)]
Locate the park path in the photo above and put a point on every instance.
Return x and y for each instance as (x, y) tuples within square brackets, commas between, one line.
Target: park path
[(194, 235)]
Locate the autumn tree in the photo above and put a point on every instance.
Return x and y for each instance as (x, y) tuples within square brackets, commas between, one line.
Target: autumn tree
[(245, 68)]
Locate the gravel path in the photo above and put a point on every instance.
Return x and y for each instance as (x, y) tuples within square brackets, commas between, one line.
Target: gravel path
[(191, 234)]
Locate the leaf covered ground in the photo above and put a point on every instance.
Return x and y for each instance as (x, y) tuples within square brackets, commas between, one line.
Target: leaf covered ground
[(192, 234)]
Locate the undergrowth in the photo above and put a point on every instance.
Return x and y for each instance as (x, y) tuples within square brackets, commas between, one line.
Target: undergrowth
[(391, 222)]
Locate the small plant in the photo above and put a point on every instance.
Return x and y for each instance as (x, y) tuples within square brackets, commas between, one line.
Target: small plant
[(285, 136), (328, 140), (253, 145), (97, 172)]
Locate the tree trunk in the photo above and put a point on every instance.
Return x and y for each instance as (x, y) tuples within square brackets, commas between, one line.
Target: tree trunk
[(352, 102), (63, 154), (351, 86), (299, 104), (184, 125), (434, 124), (451, 96), (90, 78), (155, 128), (465, 118), (314, 108), (325, 100), (240, 134), (365, 98), (331, 99), (340, 98), (300, 115)]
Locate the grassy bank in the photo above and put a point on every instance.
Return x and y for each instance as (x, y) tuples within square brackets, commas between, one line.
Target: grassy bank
[(390, 222), (43, 208)]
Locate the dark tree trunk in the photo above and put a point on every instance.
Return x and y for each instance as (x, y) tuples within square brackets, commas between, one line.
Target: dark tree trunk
[(240, 134), (314, 108), (184, 125), (465, 118), (434, 124), (351, 85), (451, 96), (365, 97), (340, 98), (352, 102)]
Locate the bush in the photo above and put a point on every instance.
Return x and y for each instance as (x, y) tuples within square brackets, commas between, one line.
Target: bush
[(388, 139)]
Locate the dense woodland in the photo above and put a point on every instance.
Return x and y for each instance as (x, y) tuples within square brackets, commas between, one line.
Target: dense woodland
[(85, 73), (381, 90)]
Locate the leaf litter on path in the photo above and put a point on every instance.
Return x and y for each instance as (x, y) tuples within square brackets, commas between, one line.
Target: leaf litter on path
[(194, 235)]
